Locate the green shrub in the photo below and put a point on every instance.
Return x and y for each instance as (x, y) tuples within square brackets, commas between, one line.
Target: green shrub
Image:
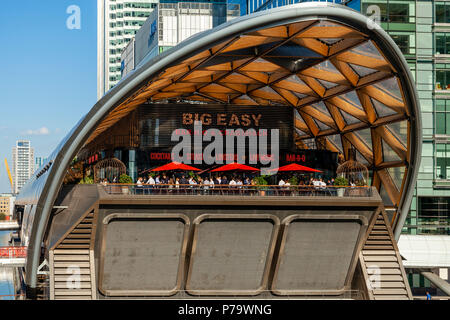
[(260, 181), (87, 180), (293, 181), (341, 181), (125, 179), (2, 216)]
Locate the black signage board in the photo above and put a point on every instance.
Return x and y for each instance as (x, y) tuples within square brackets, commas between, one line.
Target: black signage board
[(158, 123)]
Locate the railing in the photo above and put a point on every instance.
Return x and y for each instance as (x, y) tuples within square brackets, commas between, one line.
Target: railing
[(13, 252), (244, 190)]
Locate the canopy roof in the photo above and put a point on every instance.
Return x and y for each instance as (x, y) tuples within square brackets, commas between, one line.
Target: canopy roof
[(344, 89), (346, 79)]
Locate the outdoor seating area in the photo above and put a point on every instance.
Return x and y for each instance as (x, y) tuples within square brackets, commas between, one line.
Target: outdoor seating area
[(236, 179), (234, 190)]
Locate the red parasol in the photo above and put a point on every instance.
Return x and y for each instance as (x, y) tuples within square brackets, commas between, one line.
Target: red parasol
[(234, 167), (175, 166), (296, 167)]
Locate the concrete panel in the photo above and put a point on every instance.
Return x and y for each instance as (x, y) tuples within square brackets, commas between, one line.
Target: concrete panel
[(142, 256), (231, 256), (316, 256)]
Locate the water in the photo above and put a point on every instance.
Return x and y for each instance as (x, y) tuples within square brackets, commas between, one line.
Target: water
[(6, 274)]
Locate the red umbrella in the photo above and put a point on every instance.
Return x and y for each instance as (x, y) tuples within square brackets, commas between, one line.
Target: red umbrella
[(235, 167), (296, 167), (175, 166)]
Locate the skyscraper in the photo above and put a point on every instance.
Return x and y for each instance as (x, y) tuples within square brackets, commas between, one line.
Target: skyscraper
[(23, 164), (118, 21)]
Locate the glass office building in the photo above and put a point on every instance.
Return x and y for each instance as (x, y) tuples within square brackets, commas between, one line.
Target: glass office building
[(421, 29)]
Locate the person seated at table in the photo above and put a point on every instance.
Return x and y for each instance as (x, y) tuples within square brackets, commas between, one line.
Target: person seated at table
[(224, 180), (281, 183), (170, 183), (183, 181), (139, 182), (177, 183), (232, 182), (316, 183), (157, 180), (150, 180), (206, 184), (164, 179), (247, 181), (239, 183), (322, 184), (192, 181)]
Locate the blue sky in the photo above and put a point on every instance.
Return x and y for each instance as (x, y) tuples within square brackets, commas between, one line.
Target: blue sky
[(49, 73)]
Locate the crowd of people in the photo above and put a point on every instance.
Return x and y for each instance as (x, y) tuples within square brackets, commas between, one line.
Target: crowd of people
[(184, 180), (235, 180), (281, 184)]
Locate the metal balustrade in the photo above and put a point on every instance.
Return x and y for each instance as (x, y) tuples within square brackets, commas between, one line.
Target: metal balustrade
[(235, 190)]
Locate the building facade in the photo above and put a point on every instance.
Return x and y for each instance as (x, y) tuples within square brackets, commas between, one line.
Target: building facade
[(39, 162), (6, 205), (23, 164), (172, 22), (259, 5), (420, 29), (118, 21)]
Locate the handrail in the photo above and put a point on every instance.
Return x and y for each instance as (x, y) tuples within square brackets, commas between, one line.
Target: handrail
[(244, 185), (242, 190)]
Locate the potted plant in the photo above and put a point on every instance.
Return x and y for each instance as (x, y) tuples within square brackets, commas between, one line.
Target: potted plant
[(261, 182), (341, 181), (125, 179), (293, 181), (87, 180)]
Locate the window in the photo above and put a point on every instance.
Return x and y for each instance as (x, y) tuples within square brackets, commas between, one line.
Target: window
[(442, 12), (442, 43), (406, 41), (442, 79), (393, 11), (442, 161), (434, 215), (399, 12), (442, 116)]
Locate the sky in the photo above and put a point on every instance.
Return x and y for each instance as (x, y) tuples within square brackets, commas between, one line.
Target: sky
[(48, 79)]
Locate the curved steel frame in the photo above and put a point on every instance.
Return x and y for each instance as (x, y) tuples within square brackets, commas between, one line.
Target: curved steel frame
[(43, 191)]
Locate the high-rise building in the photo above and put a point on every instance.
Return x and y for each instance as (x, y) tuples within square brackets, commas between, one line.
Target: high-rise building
[(23, 164), (172, 22), (39, 161), (259, 5), (118, 21), (420, 29)]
